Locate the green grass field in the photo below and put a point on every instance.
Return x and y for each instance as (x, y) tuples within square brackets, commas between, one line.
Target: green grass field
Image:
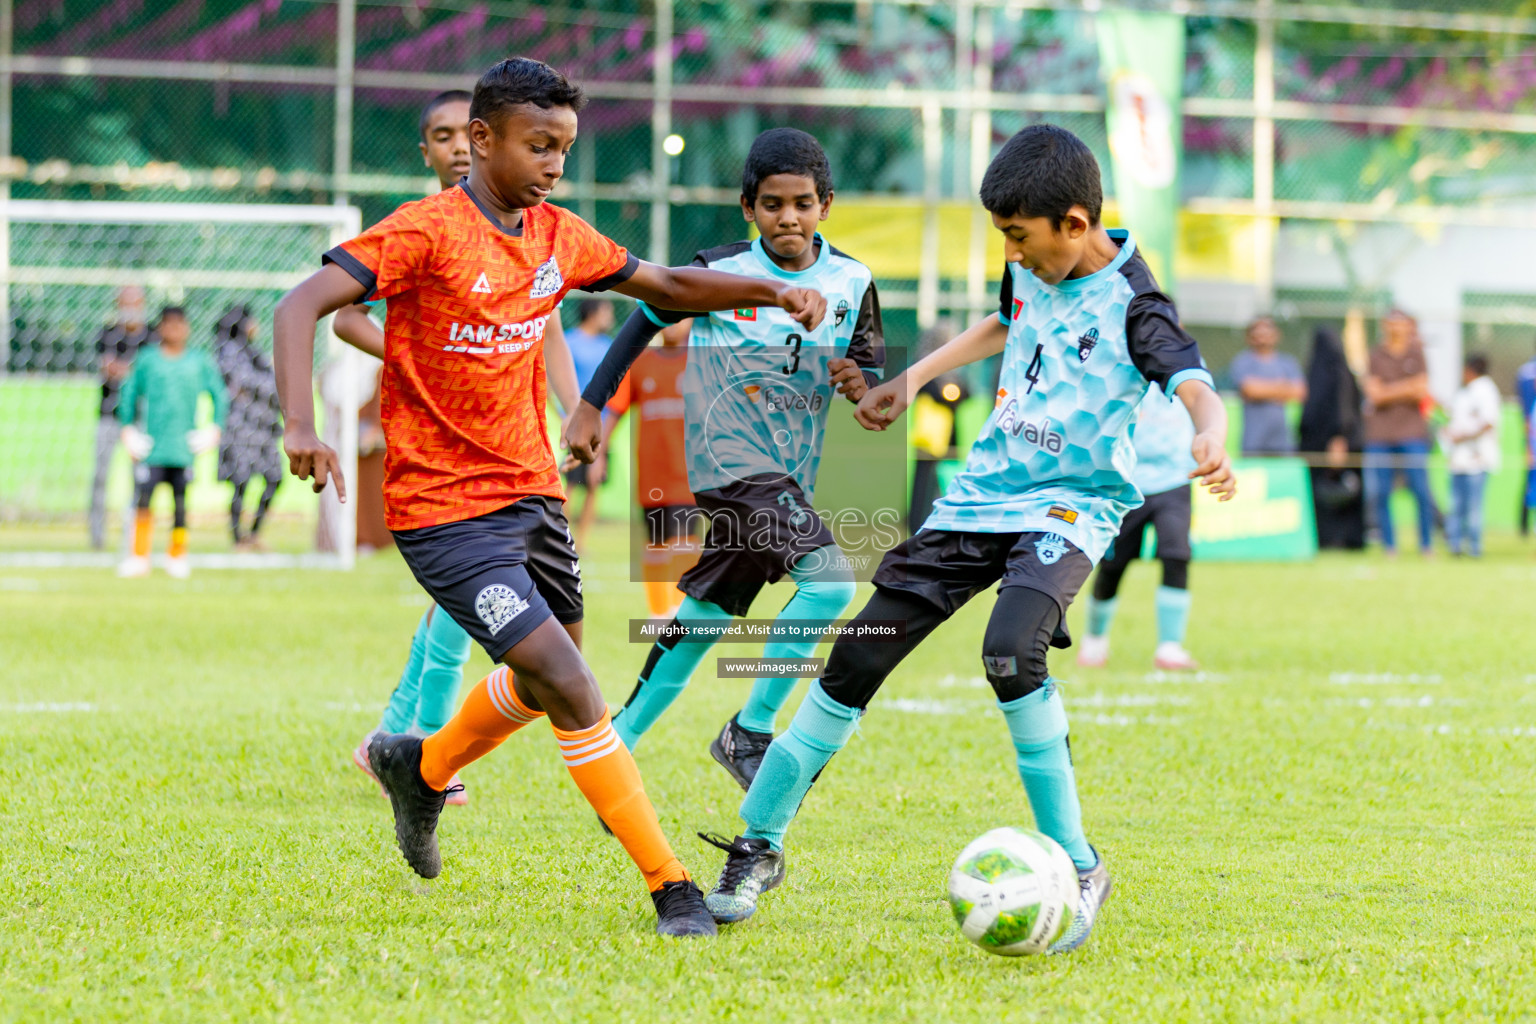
[(1332, 823)]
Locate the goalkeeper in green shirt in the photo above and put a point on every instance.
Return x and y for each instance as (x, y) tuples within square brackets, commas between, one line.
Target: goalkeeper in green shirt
[(161, 394)]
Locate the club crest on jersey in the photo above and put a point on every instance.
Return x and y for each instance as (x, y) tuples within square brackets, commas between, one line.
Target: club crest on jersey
[(840, 313), (1086, 343), (498, 605), (546, 280), (1050, 548), (482, 285), (746, 314)]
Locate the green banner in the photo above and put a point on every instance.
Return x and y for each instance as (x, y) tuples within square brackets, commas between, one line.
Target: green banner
[(1142, 57), (1270, 520)]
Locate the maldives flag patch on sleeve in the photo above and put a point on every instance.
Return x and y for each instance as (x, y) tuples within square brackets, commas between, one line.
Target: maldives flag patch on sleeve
[(746, 314)]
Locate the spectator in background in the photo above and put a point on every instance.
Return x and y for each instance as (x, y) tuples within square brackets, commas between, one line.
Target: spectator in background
[(1471, 442), (1525, 395), (1396, 433), (116, 347), (254, 425), (1330, 425), (588, 342), (167, 380), (1267, 380)]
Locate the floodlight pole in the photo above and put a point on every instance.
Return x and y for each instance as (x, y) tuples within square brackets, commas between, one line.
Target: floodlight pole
[(7, 41), (346, 60), (345, 523), (661, 127), (981, 151), (932, 120), (1264, 227)]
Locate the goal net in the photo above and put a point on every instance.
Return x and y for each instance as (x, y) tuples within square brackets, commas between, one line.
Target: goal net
[(65, 265)]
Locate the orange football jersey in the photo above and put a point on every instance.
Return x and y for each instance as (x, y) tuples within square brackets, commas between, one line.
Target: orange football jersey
[(464, 392), (653, 387)]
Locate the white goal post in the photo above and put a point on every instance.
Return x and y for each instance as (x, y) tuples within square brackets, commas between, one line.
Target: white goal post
[(62, 263)]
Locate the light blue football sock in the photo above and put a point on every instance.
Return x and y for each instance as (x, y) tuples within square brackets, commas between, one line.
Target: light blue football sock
[(1038, 724), (823, 589), (1172, 615), (442, 673), (1100, 615), (819, 729), (667, 670), (400, 712)]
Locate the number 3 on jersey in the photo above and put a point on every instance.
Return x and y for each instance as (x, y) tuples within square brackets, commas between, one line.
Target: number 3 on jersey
[(791, 367)]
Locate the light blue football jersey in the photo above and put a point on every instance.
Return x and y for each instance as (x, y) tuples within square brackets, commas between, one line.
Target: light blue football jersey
[(756, 393), (1056, 455), (1162, 437)]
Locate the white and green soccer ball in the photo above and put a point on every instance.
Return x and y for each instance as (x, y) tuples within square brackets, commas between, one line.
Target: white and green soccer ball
[(1013, 891)]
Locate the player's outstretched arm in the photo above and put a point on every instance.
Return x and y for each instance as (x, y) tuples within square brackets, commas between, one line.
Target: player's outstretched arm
[(881, 405), (354, 326), (698, 290), (1213, 466), (293, 364)]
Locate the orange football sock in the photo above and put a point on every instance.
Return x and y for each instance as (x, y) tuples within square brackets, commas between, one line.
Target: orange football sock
[(653, 572), (607, 776), (490, 714), (178, 542), (143, 526), (658, 596)]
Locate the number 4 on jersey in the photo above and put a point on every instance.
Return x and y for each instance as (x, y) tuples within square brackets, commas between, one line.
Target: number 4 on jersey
[(1032, 372)]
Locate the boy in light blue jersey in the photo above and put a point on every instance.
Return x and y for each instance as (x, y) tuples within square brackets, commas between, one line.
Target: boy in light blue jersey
[(1083, 330), (1163, 437), (757, 392)]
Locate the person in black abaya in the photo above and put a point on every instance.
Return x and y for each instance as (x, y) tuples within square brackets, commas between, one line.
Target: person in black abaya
[(1330, 432)]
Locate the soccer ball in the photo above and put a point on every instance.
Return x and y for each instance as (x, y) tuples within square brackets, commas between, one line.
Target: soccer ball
[(1013, 891)]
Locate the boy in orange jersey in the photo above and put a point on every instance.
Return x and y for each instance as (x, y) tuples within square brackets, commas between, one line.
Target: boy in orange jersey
[(427, 692), (653, 388), (471, 492)]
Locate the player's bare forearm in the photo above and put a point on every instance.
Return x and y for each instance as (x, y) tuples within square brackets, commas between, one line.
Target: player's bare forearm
[(354, 326), (971, 345), (1213, 466), (881, 405), (293, 357), (293, 336), (560, 367), (697, 289)]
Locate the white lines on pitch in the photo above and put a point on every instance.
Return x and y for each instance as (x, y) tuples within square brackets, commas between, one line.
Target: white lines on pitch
[(1384, 679), (1397, 702), (49, 708)]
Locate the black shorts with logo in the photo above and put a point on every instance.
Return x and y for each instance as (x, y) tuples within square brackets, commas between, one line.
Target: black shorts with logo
[(947, 568), (1169, 512), (500, 574), (758, 529)]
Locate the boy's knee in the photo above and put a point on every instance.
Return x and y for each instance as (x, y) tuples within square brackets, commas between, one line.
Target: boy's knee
[(1018, 637)]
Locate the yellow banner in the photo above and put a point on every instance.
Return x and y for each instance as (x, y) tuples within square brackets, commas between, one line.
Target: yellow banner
[(888, 238)]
